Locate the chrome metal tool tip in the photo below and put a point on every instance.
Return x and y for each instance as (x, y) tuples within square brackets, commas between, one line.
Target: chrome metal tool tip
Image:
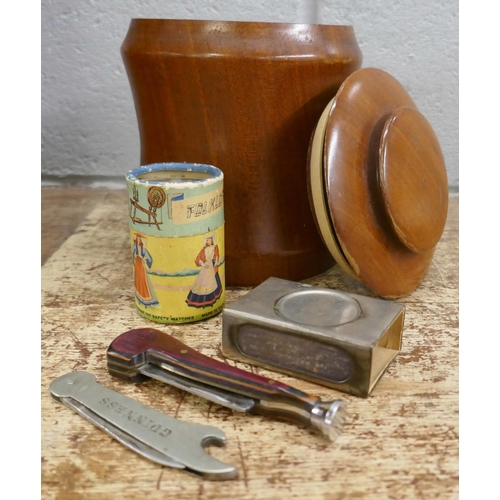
[(329, 417)]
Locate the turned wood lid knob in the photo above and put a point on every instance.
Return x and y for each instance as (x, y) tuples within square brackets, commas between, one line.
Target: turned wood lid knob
[(413, 180)]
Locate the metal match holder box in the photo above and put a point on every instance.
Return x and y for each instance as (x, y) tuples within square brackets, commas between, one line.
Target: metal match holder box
[(328, 337)]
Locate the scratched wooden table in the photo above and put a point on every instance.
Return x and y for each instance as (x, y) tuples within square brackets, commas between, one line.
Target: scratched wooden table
[(400, 443)]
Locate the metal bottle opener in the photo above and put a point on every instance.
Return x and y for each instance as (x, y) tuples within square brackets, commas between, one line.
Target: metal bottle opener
[(150, 433), (147, 352)]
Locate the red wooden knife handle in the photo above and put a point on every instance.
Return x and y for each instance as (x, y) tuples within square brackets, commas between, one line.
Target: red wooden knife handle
[(136, 347)]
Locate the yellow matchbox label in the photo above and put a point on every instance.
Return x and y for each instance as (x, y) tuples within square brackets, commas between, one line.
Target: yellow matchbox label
[(179, 279)]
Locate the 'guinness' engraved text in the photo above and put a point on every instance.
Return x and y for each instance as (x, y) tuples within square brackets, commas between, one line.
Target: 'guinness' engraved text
[(133, 416)]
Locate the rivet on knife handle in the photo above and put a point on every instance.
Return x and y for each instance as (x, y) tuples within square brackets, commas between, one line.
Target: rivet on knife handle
[(147, 352), (152, 434)]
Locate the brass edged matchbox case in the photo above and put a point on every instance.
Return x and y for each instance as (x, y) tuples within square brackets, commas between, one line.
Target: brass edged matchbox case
[(336, 339)]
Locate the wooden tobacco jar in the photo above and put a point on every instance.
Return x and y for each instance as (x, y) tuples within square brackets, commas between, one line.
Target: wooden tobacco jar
[(244, 97)]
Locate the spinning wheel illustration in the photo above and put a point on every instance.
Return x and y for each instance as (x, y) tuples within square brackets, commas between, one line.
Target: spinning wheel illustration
[(156, 199)]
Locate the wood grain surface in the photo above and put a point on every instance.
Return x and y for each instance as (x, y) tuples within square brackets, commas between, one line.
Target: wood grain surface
[(365, 216), (244, 97), (400, 443), (62, 211), (413, 180)]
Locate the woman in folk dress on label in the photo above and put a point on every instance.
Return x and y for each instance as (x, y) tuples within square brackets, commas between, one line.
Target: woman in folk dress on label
[(207, 287), (143, 289)]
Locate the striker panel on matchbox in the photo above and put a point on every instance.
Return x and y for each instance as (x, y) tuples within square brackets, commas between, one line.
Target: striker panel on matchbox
[(176, 220), (340, 340)]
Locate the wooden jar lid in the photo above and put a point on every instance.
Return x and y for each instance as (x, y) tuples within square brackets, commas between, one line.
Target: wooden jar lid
[(378, 183)]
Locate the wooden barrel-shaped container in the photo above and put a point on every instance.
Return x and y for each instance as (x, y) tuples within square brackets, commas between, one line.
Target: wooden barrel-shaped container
[(245, 97)]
